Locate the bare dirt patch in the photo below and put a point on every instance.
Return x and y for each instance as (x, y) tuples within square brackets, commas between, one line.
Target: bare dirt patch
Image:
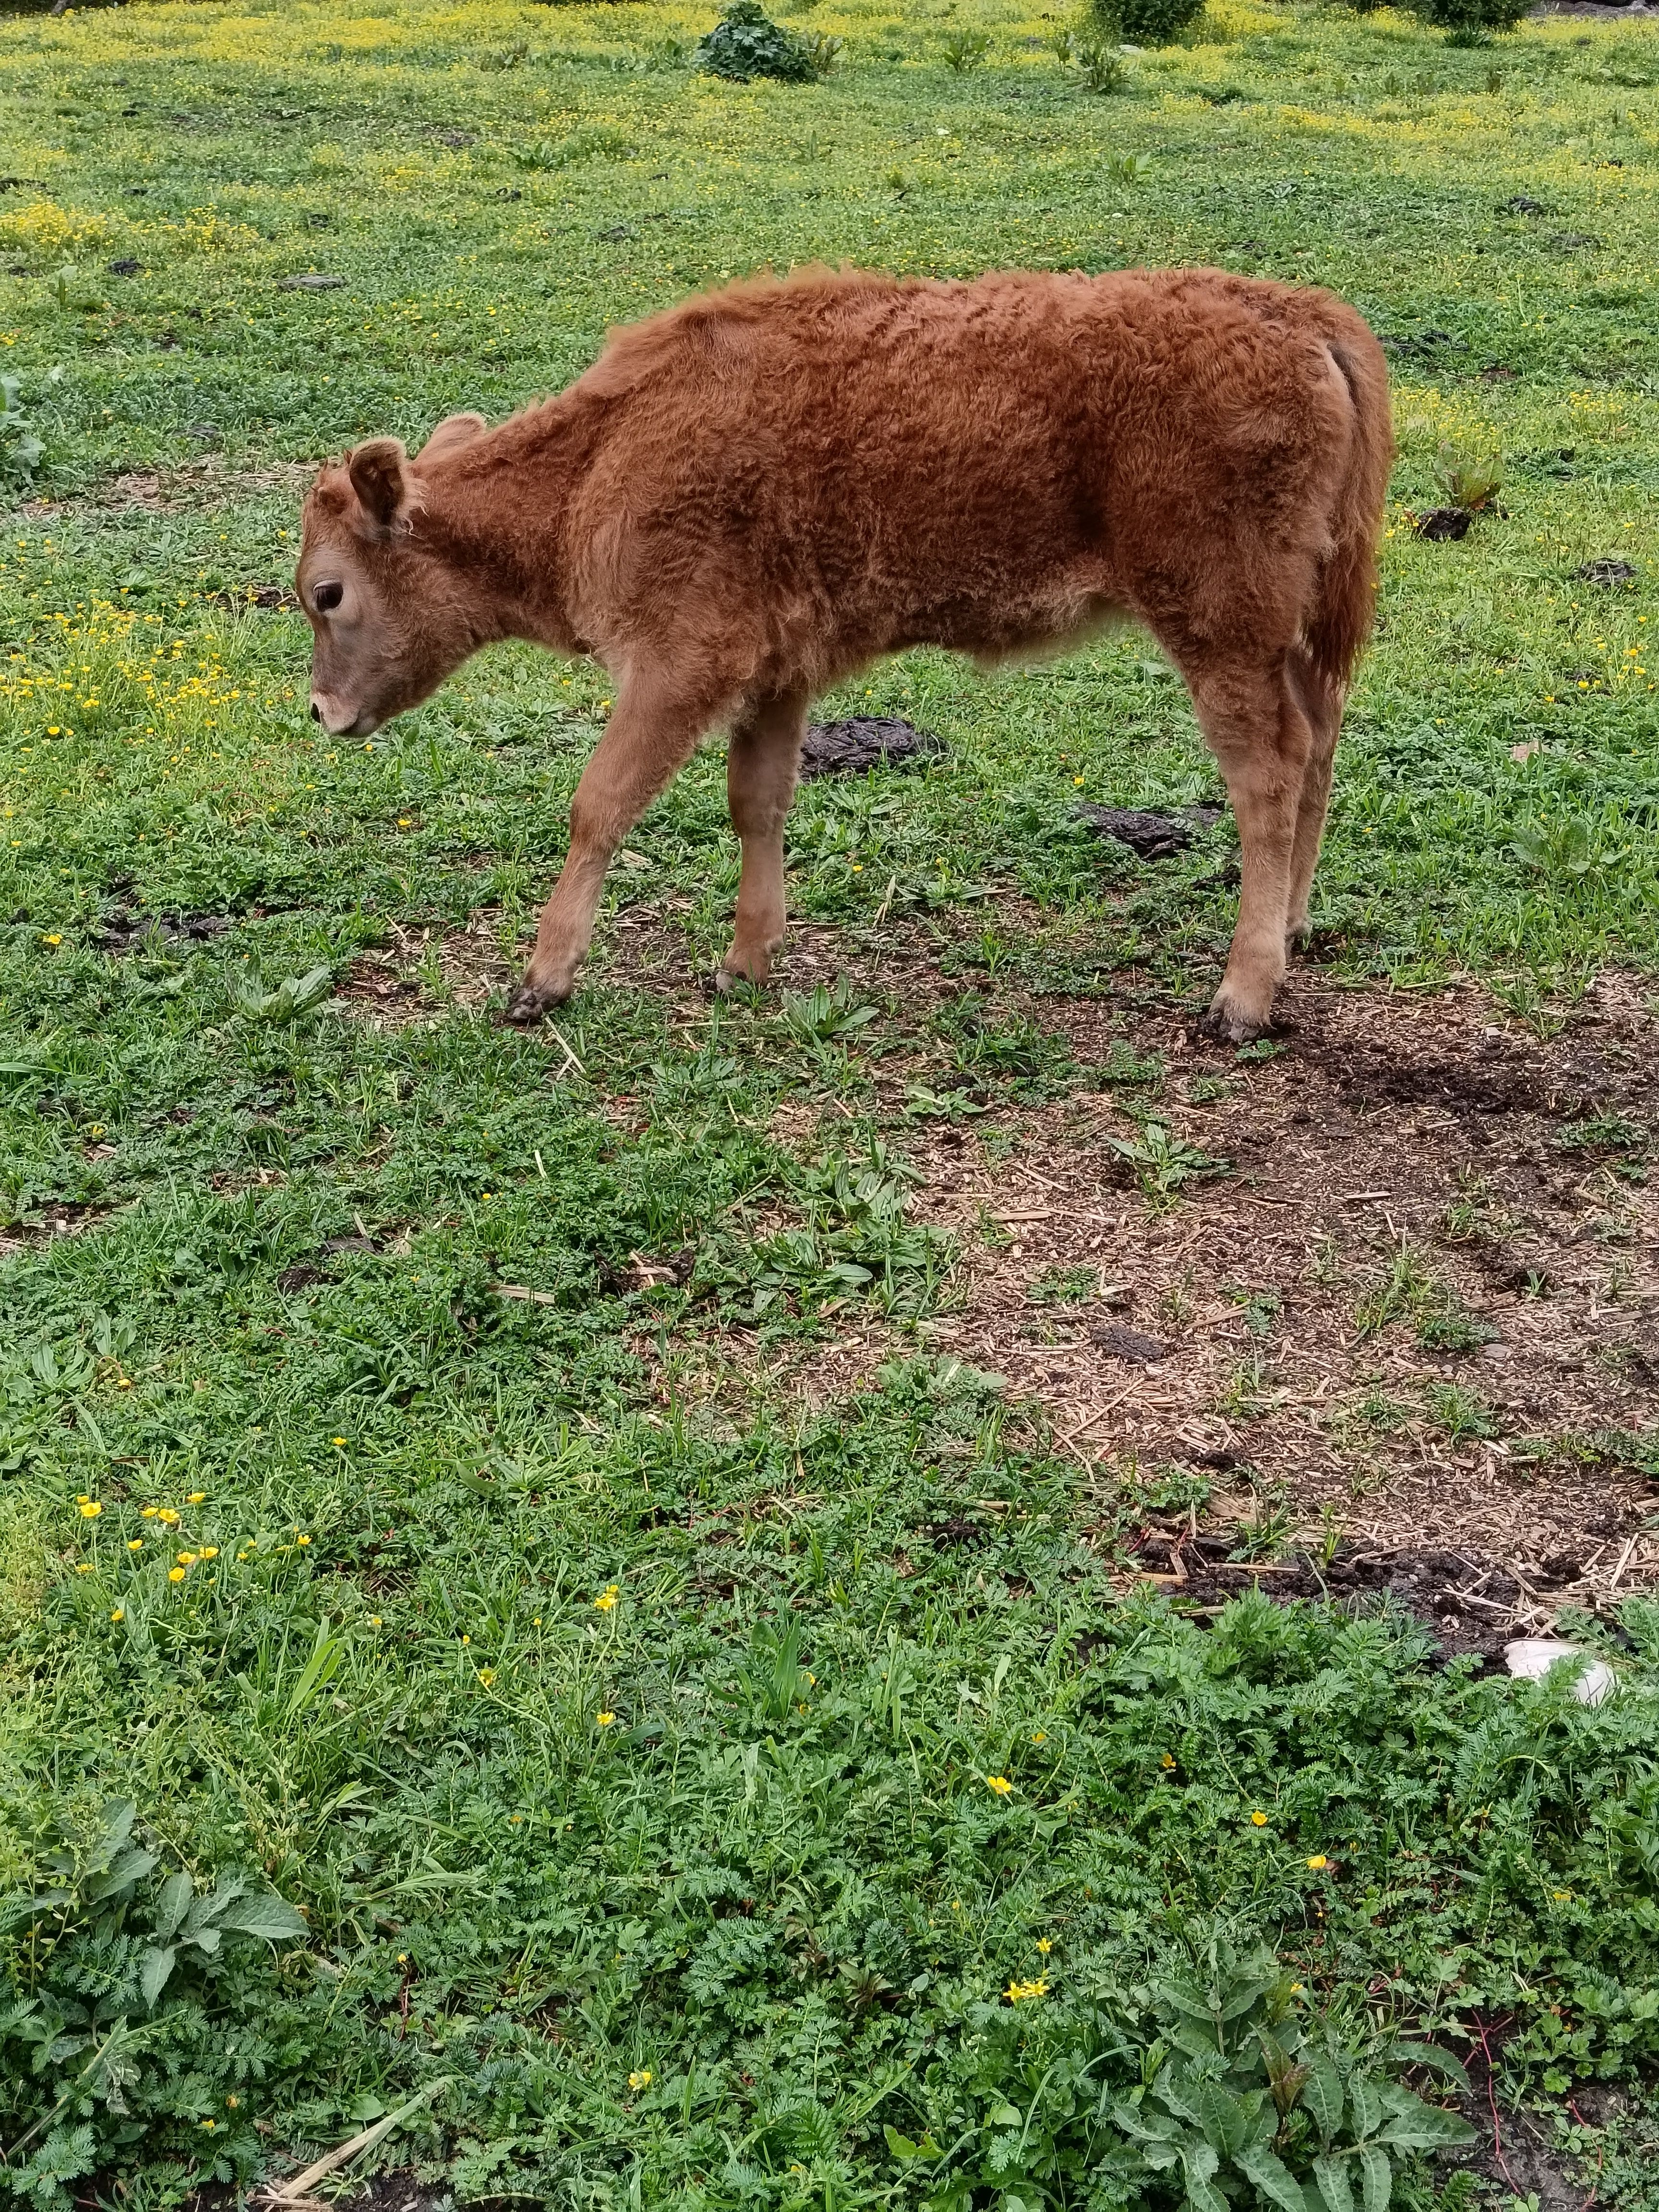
[(1421, 1308), (421, 973), (207, 483)]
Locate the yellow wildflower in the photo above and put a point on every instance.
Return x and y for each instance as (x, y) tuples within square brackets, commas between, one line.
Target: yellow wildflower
[(604, 1719), (1001, 1784), (187, 1559), (302, 1539), (1044, 1945), (1166, 1762), (209, 1551), (135, 1543), (1258, 1820), (1318, 1863), (607, 1599), (84, 1566), (119, 1614), (196, 1497), (175, 1574), (168, 1516), (641, 2078), (486, 1675), (90, 1509), (1020, 1992)]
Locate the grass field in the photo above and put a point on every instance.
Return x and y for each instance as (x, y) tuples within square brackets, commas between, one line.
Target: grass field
[(531, 1509)]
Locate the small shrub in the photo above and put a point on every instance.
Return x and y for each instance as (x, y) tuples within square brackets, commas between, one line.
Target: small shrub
[(1162, 1162), (602, 144), (1102, 71), (746, 44), (1470, 485), (1145, 22), (821, 53), (965, 50)]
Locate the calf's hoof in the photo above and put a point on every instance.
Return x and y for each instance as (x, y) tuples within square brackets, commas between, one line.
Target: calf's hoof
[(1231, 1022), (740, 968), (530, 1002)]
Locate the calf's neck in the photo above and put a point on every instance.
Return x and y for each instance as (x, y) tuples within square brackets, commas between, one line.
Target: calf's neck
[(754, 495)]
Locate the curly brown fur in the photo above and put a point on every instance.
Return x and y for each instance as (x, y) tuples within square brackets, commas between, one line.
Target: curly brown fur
[(756, 493)]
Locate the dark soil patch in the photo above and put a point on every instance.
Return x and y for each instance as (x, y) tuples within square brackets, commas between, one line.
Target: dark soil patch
[(1464, 1602), (1153, 837), (1442, 524), (1608, 573), (125, 932), (1130, 1344), (863, 742)]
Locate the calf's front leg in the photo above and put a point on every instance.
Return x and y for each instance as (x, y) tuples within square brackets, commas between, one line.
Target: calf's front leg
[(651, 736), (761, 768)]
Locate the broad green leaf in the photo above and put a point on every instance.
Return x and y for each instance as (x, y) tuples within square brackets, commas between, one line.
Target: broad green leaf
[(1431, 2056), (209, 1911), (1198, 2162), (1377, 2171), (1147, 2122), (153, 1972), (1367, 2105), (1271, 2176), (1242, 1999), (120, 1814), (204, 1939), (1332, 2176), (268, 1916), (904, 2150), (1223, 2117), (177, 1890), (1321, 2093), (1004, 2115), (1175, 2088), (1428, 2128), (129, 1866)]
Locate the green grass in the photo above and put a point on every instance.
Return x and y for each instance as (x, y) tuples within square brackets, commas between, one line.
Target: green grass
[(545, 1842)]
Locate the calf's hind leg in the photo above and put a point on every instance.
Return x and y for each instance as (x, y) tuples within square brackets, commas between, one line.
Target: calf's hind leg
[(1262, 739), (651, 736), (1322, 702), (761, 768)]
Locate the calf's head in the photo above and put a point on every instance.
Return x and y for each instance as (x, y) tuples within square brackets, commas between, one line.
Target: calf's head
[(389, 613)]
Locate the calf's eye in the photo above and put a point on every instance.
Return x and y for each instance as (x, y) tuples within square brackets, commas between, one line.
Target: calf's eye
[(326, 597)]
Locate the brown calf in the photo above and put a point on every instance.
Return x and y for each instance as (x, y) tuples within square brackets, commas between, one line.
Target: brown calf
[(754, 495)]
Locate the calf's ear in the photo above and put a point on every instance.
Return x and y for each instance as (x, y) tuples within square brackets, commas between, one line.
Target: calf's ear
[(450, 436), (379, 476)]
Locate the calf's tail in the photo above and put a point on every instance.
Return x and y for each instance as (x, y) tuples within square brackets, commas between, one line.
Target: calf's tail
[(1344, 595)]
